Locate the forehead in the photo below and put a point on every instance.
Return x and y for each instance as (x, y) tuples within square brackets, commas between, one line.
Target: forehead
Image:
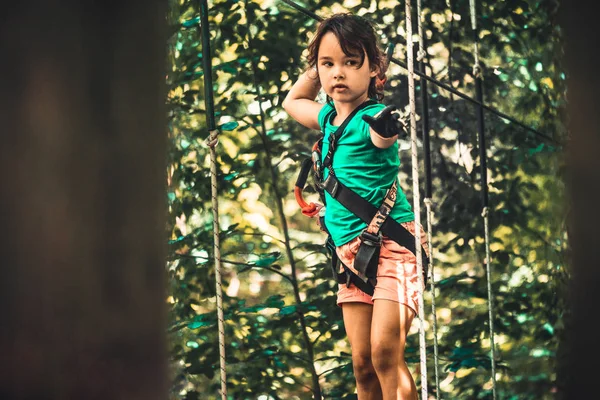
[(330, 47)]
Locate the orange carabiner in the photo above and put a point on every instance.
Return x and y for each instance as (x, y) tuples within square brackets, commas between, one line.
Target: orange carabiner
[(308, 209)]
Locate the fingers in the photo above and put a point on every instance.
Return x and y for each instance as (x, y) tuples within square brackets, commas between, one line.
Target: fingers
[(386, 111), (391, 107), (380, 122), (368, 119)]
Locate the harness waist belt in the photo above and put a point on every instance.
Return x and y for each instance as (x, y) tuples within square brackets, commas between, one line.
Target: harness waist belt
[(366, 211)]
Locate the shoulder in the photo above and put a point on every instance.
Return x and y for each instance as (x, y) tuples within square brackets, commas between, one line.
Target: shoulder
[(326, 110), (369, 110), (372, 109)]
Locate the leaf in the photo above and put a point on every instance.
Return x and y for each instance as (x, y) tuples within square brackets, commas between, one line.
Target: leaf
[(275, 301), (198, 324), (538, 149), (268, 260), (448, 282), (288, 310), (191, 22), (229, 126)]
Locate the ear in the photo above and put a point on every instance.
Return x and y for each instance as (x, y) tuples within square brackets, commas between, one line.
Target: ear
[(374, 72)]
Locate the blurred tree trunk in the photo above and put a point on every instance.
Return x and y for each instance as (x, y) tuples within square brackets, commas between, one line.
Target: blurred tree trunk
[(83, 212), (579, 370)]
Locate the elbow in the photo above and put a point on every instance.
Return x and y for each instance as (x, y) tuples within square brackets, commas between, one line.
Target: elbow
[(286, 103)]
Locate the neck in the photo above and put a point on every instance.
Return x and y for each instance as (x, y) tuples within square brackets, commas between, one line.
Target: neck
[(344, 109)]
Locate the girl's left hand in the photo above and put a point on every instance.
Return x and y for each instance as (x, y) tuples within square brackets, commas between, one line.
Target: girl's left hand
[(386, 123)]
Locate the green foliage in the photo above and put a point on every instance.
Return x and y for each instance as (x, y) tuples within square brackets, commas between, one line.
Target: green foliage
[(283, 330)]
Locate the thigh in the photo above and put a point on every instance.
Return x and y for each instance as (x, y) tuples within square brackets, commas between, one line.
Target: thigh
[(357, 321), (390, 324), (351, 294), (397, 276)]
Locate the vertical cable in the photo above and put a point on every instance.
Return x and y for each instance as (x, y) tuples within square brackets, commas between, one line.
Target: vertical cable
[(212, 141), (477, 72), (416, 197), (428, 192)]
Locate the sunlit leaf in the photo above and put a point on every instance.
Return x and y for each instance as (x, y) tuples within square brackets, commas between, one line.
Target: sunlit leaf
[(191, 22), (229, 126)]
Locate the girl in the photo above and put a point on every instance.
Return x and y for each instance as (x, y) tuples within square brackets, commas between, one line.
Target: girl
[(345, 61)]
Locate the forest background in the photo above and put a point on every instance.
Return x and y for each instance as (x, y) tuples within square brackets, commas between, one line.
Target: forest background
[(284, 334)]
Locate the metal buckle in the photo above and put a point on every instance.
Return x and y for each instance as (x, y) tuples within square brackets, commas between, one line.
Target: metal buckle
[(316, 157), (317, 167)]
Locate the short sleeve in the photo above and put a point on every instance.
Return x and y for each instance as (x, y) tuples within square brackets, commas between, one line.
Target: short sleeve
[(370, 111), (327, 107)]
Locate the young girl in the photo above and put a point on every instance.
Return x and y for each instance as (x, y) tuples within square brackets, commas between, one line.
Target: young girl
[(345, 61)]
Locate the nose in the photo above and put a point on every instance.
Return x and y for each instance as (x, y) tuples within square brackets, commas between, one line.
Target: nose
[(338, 72)]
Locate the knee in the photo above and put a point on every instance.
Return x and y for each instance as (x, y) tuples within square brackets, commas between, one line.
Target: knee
[(363, 367), (385, 357)]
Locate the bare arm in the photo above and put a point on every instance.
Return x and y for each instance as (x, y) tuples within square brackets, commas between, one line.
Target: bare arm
[(380, 141), (300, 102)]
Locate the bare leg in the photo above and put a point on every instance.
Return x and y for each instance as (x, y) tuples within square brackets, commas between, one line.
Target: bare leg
[(357, 320), (390, 325)]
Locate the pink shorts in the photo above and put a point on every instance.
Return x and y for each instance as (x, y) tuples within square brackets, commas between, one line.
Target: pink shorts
[(397, 277)]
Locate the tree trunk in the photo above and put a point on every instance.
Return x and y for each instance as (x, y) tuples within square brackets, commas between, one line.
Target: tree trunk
[(83, 207), (578, 371)]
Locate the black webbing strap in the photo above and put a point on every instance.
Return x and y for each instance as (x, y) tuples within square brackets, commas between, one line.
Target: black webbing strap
[(366, 211), (347, 276), (333, 139), (303, 174), (366, 260)]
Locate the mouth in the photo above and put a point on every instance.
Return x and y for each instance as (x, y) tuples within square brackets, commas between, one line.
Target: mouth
[(340, 87)]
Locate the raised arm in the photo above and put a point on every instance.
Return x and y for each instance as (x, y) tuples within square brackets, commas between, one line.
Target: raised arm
[(300, 102)]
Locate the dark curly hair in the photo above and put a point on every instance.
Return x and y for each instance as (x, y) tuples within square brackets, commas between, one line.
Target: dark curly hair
[(357, 37)]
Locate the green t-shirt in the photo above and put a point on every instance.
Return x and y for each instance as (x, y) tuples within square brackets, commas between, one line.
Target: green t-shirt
[(367, 170)]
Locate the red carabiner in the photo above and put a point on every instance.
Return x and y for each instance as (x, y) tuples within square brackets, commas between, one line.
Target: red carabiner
[(308, 209)]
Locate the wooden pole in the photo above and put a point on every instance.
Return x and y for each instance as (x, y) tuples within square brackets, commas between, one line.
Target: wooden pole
[(82, 163)]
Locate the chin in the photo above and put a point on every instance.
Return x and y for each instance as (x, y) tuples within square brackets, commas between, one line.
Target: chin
[(349, 98)]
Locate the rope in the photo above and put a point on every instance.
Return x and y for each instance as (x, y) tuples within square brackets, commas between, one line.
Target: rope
[(421, 53), (416, 200), (425, 125), (476, 66), (477, 72), (212, 142), (427, 202), (484, 214)]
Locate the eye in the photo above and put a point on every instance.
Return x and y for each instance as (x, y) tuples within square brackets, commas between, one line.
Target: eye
[(352, 63), (326, 63)]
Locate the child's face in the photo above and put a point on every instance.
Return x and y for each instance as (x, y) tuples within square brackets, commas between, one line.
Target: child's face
[(340, 76)]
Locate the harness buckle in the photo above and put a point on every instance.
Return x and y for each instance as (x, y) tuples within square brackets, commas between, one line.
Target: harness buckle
[(371, 239), (332, 143), (331, 184)]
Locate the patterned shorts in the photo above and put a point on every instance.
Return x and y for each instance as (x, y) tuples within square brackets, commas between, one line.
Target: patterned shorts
[(397, 277)]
